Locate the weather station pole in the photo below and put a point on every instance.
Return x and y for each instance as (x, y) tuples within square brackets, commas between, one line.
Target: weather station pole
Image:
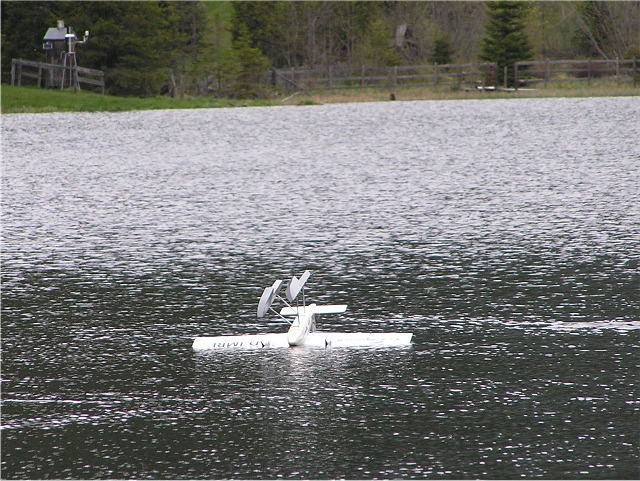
[(70, 61)]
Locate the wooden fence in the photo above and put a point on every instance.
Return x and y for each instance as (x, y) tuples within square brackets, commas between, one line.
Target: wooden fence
[(333, 78), (455, 76), (546, 71), (51, 75)]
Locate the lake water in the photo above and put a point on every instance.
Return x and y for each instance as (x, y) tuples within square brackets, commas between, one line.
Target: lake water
[(505, 234)]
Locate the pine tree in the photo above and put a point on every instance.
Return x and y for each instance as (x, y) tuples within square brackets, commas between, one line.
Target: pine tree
[(442, 51), (251, 67), (131, 41), (23, 26), (376, 49), (505, 40)]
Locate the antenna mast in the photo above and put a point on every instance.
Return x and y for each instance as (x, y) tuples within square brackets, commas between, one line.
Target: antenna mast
[(69, 59)]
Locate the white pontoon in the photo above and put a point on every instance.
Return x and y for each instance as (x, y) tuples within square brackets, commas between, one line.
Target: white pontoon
[(302, 325)]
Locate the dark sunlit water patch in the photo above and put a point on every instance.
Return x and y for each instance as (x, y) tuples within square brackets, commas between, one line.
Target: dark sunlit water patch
[(502, 234)]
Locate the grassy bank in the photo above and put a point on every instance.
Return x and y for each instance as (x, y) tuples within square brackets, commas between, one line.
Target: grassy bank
[(578, 89), (35, 100)]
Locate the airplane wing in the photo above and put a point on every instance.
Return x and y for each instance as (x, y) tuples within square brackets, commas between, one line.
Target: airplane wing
[(357, 339), (330, 309), (251, 341), (313, 339)]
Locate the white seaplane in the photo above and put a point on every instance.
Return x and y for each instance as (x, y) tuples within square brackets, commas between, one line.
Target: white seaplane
[(302, 325)]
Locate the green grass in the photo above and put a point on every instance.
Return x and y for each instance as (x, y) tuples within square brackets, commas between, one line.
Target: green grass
[(36, 100), (604, 89)]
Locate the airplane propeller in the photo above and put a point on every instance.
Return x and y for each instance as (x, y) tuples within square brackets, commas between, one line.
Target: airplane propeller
[(268, 296), (295, 285)]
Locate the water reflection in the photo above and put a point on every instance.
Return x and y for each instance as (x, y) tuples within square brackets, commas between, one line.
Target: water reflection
[(509, 251)]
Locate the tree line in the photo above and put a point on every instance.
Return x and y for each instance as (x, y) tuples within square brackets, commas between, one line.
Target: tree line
[(227, 48)]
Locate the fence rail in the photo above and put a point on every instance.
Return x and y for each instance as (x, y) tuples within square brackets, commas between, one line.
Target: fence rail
[(455, 76), (547, 71), (470, 75), (52, 75), (334, 78)]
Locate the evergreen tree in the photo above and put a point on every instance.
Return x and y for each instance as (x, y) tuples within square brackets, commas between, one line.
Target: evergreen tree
[(133, 47), (186, 23), (442, 51), (250, 72), (135, 43), (376, 49), (262, 20), (505, 40), (23, 26)]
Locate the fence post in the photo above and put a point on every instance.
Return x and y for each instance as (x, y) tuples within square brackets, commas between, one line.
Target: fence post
[(13, 72), (515, 75), (293, 78), (546, 72), (505, 77), (635, 72), (617, 71), (589, 72), (76, 82), (362, 78)]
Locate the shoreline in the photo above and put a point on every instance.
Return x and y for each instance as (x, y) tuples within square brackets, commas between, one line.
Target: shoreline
[(16, 100)]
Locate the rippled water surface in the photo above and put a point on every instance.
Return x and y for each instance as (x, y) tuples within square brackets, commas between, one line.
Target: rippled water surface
[(505, 234)]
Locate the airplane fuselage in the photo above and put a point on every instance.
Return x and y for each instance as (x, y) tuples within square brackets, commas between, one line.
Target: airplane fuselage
[(303, 324)]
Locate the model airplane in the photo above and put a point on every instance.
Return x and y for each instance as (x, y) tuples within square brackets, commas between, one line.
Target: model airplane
[(302, 325)]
